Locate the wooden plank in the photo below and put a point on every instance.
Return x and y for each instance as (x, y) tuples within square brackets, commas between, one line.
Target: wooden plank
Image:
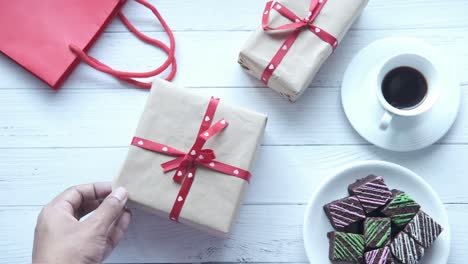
[(263, 233), (209, 59), (225, 15), (283, 175), (103, 118)]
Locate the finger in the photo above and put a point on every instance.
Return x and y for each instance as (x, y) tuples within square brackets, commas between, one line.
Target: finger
[(72, 198), (117, 231), (110, 209)]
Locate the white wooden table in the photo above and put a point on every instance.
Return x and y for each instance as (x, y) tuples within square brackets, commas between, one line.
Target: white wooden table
[(51, 140)]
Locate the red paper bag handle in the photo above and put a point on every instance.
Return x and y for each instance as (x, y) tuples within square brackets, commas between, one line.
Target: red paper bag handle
[(127, 76)]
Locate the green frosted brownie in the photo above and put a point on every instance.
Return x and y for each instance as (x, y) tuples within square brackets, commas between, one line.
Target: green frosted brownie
[(402, 208), (377, 232), (346, 247)]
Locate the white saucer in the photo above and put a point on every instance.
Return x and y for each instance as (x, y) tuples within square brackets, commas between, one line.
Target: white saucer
[(316, 224), (364, 112)]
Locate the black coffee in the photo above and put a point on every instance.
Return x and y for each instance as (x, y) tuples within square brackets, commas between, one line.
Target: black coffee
[(404, 87)]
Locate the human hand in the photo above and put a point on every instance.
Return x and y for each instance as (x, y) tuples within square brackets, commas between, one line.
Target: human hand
[(60, 236)]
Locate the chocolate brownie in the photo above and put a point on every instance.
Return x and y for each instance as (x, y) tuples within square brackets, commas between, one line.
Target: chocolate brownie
[(377, 232), (423, 229), (379, 256), (402, 208), (344, 214), (405, 249), (371, 191), (346, 247)]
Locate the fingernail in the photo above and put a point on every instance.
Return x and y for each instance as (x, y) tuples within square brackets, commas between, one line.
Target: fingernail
[(120, 193)]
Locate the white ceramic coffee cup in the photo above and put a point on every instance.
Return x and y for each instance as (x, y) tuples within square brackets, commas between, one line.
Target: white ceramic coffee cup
[(428, 70)]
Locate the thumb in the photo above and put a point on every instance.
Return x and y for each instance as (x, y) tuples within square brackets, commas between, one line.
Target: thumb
[(110, 209)]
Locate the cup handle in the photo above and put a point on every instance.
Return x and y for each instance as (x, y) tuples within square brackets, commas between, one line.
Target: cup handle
[(385, 120)]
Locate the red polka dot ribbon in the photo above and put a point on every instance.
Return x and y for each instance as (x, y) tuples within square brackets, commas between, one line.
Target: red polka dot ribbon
[(295, 27), (185, 164)]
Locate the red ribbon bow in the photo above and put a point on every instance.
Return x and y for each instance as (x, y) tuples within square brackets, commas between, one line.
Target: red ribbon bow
[(186, 163), (296, 26)]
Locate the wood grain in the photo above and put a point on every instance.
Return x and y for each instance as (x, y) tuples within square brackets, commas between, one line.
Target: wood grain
[(263, 233), (35, 176), (209, 59), (246, 15), (51, 140), (103, 118)]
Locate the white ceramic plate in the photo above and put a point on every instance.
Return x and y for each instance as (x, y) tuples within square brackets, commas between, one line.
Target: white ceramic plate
[(316, 224), (364, 112)]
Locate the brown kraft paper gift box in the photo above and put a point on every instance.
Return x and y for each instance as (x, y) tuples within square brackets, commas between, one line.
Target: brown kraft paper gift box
[(307, 54), (172, 116)]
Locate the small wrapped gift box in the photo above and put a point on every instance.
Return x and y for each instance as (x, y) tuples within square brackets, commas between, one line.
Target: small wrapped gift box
[(191, 156), (295, 39)]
